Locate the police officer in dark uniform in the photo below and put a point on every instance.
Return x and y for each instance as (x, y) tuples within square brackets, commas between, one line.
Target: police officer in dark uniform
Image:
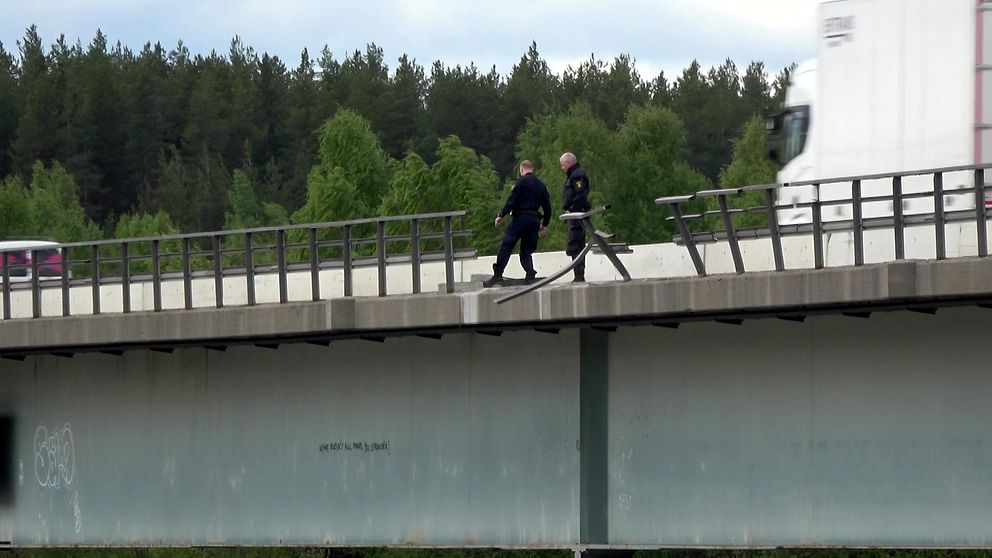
[(575, 199), (527, 196)]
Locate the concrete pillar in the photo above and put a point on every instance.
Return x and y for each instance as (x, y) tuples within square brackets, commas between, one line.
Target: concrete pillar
[(593, 437)]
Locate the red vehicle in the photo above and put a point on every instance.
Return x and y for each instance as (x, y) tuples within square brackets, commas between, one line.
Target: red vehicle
[(16, 256)]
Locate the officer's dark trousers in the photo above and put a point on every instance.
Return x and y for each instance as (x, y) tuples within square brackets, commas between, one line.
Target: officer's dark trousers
[(523, 228), (576, 241)]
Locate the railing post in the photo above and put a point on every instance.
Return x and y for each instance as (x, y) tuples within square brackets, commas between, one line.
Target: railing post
[(346, 256), (897, 224), (249, 268), (938, 216), (218, 273), (859, 224), (415, 254), (125, 278), (156, 276), (449, 257), (380, 249), (65, 281), (690, 243), (774, 230), (35, 285), (187, 275), (314, 266), (980, 219), (817, 228), (6, 285), (95, 276), (281, 251), (728, 224)]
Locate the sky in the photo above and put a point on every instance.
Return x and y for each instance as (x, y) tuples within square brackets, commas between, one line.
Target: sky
[(661, 35)]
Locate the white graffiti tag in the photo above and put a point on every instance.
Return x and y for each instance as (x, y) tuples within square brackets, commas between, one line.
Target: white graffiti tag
[(54, 457)]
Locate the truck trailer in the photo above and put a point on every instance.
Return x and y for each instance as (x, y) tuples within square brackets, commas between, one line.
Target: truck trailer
[(897, 85)]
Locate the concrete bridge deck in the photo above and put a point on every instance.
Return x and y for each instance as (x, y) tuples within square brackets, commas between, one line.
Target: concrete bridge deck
[(913, 284)]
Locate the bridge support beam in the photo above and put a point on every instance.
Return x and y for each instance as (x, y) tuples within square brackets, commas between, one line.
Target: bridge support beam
[(594, 436)]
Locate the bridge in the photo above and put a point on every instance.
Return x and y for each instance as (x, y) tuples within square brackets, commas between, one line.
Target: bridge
[(749, 388)]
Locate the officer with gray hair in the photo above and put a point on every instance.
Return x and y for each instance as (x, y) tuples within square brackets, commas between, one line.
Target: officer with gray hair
[(575, 199)]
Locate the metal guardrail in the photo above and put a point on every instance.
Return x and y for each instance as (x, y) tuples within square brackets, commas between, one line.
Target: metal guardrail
[(248, 253), (597, 239), (817, 226)]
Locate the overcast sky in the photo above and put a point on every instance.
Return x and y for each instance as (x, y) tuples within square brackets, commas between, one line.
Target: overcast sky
[(659, 34)]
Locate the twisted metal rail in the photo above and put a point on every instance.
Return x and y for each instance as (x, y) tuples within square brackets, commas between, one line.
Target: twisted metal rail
[(597, 238)]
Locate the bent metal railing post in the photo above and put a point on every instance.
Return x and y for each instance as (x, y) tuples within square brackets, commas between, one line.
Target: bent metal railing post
[(681, 221), (768, 195), (728, 223), (596, 238), (273, 251), (815, 224)]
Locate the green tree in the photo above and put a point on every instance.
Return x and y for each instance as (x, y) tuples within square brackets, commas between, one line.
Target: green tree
[(146, 122), (91, 128), (459, 179), (413, 189), (15, 215), (364, 81), (298, 154), (54, 206), (585, 85), (780, 85), (245, 121), (652, 143), (192, 190), (545, 138), (750, 165), (351, 175), (623, 89), (247, 211), (661, 91), (404, 116), (35, 137), (463, 102), (530, 91), (724, 118), (144, 225), (8, 109), (207, 119), (755, 91)]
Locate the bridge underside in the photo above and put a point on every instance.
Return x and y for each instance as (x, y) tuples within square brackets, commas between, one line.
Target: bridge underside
[(834, 431)]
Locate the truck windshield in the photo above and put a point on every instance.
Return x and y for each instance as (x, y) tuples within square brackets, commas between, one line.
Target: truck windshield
[(795, 123)]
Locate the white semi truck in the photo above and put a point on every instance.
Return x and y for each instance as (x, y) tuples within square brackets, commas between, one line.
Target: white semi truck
[(897, 85)]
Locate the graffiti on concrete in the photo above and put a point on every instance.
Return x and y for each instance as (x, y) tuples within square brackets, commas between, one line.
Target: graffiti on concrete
[(54, 457), (365, 447)]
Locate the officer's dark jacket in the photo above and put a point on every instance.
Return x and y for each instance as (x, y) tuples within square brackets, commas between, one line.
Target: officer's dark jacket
[(575, 195), (528, 195)]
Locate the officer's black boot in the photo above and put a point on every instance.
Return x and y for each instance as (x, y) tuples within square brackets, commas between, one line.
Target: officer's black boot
[(530, 278), (496, 279), (580, 273)]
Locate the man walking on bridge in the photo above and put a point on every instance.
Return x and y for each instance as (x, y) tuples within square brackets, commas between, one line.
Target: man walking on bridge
[(575, 199), (527, 196)]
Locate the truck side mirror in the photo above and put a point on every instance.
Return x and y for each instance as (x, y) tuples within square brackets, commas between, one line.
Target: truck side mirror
[(773, 142)]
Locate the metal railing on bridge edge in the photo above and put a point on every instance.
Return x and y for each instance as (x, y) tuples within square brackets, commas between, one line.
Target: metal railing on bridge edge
[(305, 247), (816, 227)]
